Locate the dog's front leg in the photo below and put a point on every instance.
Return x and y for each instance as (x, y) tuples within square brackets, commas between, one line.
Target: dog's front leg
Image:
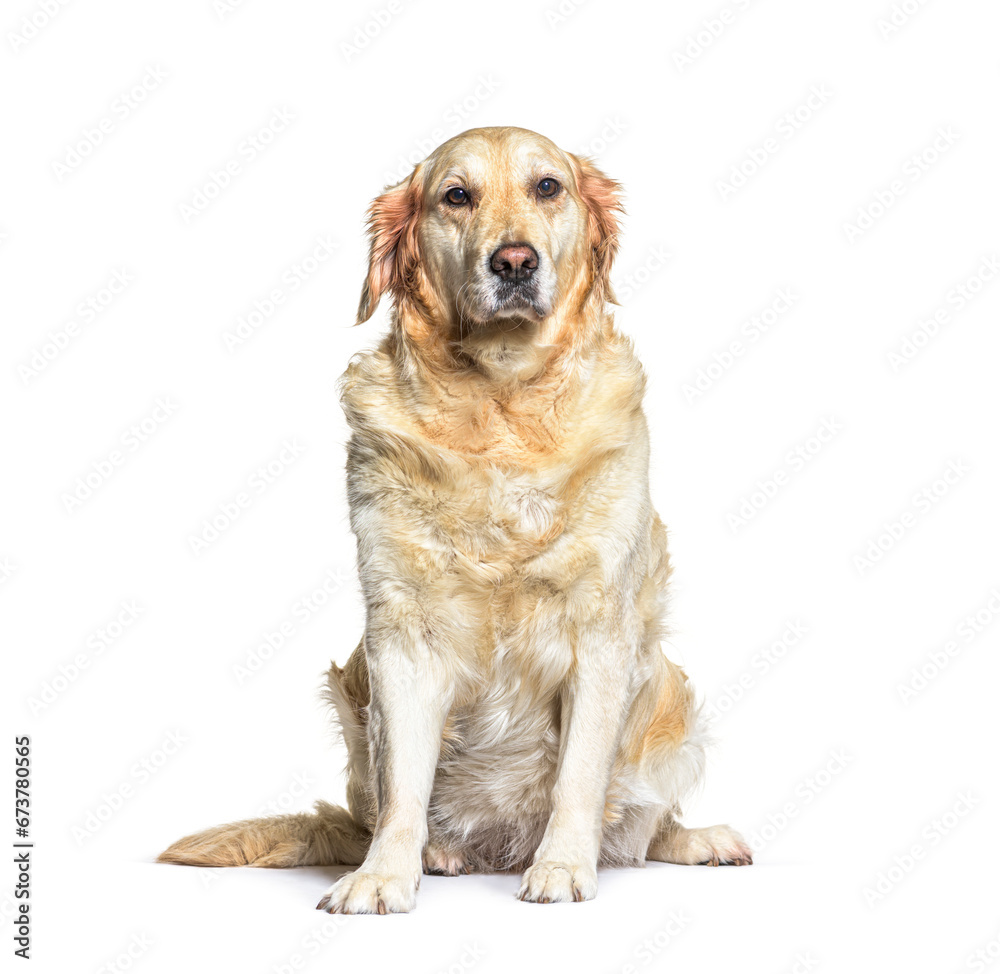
[(410, 699), (594, 705)]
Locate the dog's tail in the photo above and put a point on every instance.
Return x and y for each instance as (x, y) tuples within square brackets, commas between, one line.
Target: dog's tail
[(329, 836)]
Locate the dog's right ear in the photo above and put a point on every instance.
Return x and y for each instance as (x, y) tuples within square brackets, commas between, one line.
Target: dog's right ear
[(394, 252)]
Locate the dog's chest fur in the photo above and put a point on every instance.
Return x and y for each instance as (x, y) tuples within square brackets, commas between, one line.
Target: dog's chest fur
[(482, 495)]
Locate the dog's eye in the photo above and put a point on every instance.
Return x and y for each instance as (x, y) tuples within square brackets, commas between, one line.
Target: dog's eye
[(456, 196), (548, 188)]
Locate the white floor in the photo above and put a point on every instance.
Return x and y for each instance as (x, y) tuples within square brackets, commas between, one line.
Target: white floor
[(777, 916)]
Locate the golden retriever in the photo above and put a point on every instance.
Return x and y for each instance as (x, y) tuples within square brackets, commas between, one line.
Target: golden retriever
[(509, 705)]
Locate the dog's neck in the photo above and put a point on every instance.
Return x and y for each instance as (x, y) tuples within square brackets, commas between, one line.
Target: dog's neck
[(511, 392), (507, 353), (497, 357)]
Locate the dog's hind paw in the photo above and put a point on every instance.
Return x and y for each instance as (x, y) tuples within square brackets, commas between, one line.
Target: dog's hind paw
[(712, 846), (440, 861)]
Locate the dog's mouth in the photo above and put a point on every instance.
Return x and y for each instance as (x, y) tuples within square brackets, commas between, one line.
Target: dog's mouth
[(516, 299)]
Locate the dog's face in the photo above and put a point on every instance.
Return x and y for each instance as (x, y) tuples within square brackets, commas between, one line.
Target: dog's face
[(503, 231), (498, 225)]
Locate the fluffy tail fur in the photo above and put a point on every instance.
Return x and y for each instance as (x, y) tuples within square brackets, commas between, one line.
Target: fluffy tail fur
[(328, 837)]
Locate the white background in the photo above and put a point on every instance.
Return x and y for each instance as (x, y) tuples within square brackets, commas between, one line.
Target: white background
[(848, 791)]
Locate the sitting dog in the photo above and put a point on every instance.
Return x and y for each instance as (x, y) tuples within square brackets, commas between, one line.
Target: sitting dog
[(509, 705)]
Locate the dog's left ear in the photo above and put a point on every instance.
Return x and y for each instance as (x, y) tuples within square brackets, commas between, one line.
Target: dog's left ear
[(394, 252), (602, 197)]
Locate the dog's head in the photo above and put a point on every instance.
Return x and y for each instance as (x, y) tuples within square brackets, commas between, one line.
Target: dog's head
[(497, 227)]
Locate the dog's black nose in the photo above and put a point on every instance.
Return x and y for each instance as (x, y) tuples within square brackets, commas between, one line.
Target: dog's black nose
[(514, 262)]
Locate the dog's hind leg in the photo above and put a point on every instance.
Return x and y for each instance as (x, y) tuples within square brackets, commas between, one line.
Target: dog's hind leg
[(672, 762), (712, 846)]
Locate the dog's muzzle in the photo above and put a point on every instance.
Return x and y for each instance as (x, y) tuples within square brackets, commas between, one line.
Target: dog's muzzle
[(515, 284)]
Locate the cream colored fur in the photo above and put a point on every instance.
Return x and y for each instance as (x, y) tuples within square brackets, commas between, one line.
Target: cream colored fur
[(510, 706)]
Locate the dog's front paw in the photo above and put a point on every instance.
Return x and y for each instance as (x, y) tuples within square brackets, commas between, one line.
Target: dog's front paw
[(370, 892), (548, 881)]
